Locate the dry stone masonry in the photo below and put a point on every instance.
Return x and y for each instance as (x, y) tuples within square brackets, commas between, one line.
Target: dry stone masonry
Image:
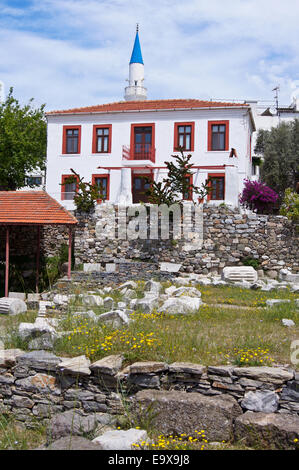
[(222, 400), (228, 238)]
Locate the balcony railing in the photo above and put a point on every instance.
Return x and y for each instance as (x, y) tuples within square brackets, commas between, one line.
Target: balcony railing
[(139, 152)]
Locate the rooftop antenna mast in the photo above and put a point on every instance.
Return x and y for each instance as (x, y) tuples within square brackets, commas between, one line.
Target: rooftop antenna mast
[(276, 89)]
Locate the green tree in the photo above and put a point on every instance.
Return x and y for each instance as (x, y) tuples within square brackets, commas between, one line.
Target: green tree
[(23, 142), (177, 186), (280, 150)]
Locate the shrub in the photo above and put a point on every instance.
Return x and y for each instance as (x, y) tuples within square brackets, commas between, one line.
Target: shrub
[(258, 197), (251, 262), (290, 206)]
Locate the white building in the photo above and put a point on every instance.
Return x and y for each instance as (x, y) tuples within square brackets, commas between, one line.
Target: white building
[(265, 118), (117, 144)]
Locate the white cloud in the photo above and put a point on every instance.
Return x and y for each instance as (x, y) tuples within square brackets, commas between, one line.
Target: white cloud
[(76, 52)]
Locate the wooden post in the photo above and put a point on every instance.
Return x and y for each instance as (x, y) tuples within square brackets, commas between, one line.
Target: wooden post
[(70, 253), (7, 262), (37, 258)]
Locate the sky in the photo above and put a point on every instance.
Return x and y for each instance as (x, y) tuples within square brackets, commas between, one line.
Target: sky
[(72, 53)]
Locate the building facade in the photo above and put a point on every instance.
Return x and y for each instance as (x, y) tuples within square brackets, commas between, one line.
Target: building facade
[(115, 145)]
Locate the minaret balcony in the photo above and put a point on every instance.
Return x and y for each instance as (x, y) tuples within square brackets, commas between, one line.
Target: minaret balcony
[(135, 93)]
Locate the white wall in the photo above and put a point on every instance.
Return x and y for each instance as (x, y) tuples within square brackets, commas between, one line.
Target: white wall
[(86, 163)]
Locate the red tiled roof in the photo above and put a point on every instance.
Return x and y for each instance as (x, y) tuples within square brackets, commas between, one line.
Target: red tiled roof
[(149, 105), (32, 207)]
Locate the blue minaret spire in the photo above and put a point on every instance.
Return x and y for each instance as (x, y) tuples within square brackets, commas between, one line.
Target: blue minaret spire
[(136, 57), (136, 91)]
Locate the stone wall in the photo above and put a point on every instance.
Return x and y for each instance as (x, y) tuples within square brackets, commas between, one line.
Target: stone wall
[(39, 384), (225, 238), (228, 238)]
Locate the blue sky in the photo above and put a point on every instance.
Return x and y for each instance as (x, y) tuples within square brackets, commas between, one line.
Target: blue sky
[(69, 53)]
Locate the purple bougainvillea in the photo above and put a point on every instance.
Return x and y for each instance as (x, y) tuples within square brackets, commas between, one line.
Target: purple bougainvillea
[(258, 196)]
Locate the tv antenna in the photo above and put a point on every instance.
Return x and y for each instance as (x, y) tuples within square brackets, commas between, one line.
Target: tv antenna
[(276, 89)]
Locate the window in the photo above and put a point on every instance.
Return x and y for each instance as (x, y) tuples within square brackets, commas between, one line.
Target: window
[(68, 190), (103, 183), (71, 139), (184, 135), (102, 139), (218, 133), (216, 183), (143, 142)]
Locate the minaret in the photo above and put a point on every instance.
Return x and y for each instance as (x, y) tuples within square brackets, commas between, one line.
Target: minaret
[(136, 91)]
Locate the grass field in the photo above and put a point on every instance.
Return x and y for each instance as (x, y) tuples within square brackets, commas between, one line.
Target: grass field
[(233, 324)]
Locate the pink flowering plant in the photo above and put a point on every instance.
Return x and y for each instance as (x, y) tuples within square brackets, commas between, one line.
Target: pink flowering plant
[(258, 197)]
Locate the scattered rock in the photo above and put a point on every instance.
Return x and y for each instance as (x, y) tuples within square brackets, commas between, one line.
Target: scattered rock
[(121, 440), (186, 291), (71, 442), (239, 274), (92, 300), (170, 267), (116, 318), (17, 295), (181, 305), (153, 286), (273, 302), (41, 326), (287, 322), (11, 306)]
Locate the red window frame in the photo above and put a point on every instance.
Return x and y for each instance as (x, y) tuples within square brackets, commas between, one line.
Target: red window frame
[(63, 191), (216, 175), (189, 198), (64, 129), (149, 124), (218, 123), (94, 137), (102, 175), (176, 135)]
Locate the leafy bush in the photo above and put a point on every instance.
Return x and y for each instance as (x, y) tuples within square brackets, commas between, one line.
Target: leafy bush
[(86, 195), (290, 206), (258, 197), (177, 186), (251, 262)]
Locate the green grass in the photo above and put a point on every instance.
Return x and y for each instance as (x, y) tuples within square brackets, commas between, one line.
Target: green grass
[(216, 334), (211, 336), (14, 435), (244, 297)]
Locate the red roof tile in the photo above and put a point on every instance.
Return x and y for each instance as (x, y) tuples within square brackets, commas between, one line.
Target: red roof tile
[(32, 207), (149, 105)]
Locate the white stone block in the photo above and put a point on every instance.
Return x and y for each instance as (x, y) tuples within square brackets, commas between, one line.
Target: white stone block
[(170, 267), (239, 274), (121, 440), (92, 267)]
